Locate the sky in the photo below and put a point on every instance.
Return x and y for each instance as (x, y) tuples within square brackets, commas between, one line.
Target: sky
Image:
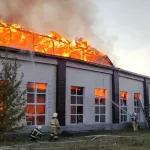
[(129, 22)]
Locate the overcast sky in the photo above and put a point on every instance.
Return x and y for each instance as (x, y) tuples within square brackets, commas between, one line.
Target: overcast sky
[(129, 21)]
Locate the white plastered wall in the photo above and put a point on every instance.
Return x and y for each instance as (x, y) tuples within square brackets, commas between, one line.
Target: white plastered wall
[(89, 79), (132, 85), (40, 70)]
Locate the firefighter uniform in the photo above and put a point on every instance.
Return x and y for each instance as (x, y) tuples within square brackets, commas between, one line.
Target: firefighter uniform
[(36, 134), (134, 122), (55, 127)]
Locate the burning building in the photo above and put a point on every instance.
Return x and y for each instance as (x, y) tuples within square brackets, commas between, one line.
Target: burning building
[(73, 79)]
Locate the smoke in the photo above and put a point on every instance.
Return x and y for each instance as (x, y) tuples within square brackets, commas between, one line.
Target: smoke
[(136, 61), (70, 18)]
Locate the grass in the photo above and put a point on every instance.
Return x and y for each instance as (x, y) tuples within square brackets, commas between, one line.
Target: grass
[(137, 141)]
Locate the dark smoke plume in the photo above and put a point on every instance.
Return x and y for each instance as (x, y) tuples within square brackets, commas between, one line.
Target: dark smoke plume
[(70, 18)]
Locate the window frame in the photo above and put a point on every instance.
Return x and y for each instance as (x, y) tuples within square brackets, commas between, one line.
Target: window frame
[(123, 107), (136, 107), (76, 104), (99, 106), (35, 93)]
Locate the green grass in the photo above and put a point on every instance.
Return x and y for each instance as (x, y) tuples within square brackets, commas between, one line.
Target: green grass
[(140, 141)]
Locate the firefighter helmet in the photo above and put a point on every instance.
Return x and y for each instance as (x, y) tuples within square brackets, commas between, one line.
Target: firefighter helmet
[(55, 115), (39, 127)]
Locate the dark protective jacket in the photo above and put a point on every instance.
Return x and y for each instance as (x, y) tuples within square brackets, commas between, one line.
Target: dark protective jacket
[(35, 133)]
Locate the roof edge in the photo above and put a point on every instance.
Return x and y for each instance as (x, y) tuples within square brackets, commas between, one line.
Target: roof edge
[(27, 52)]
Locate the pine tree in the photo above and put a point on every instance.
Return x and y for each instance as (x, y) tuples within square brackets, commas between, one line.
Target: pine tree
[(12, 97)]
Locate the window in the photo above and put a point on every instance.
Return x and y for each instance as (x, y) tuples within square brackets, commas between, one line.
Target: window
[(36, 103), (77, 98), (100, 105), (123, 106), (136, 104)]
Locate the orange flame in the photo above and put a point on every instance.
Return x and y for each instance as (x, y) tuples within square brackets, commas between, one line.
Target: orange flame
[(137, 96), (123, 95), (53, 43), (100, 92)]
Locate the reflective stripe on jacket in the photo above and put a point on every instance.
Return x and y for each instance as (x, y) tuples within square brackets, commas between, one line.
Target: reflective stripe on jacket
[(35, 132)]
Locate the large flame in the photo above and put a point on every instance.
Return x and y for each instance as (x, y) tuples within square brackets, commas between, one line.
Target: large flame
[(53, 43)]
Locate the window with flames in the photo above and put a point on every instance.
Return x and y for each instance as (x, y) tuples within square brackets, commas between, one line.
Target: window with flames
[(100, 105), (36, 103), (76, 108), (137, 98), (123, 106)]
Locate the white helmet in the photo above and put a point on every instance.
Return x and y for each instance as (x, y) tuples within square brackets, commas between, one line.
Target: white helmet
[(135, 114), (55, 115), (39, 127)]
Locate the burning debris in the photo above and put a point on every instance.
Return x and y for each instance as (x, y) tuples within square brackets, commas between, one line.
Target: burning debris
[(15, 36)]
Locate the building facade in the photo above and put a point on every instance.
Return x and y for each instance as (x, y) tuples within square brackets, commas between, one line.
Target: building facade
[(86, 96)]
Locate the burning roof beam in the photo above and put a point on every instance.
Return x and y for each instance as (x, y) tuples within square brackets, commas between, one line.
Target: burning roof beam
[(53, 43)]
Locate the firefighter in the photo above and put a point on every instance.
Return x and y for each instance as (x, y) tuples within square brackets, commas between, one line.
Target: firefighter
[(55, 127), (134, 122), (36, 134)]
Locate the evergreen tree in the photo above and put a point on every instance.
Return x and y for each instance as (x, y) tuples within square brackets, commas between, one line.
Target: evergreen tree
[(12, 97)]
